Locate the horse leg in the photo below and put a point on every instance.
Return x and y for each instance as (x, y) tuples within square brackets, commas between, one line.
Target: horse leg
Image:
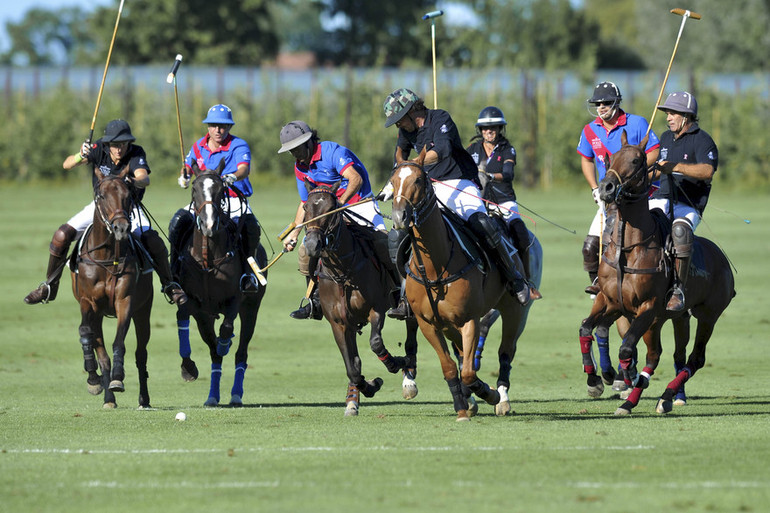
[(448, 367), (408, 385), (470, 336), (88, 342), (123, 310), (392, 363), (681, 338), (248, 321), (639, 381), (505, 354), (205, 324), (189, 369), (226, 331), (695, 362), (598, 317), (104, 366), (142, 328)]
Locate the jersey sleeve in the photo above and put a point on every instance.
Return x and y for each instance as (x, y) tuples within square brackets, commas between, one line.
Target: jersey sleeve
[(584, 145)]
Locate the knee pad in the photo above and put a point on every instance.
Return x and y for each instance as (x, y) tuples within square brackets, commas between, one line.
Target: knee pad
[(395, 239), (62, 238), (682, 235), (303, 260), (591, 254), (179, 224)]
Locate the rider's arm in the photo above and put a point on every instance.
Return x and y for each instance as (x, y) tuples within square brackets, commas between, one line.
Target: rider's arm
[(698, 171), (141, 178), (354, 183), (77, 158), (589, 171), (290, 242)]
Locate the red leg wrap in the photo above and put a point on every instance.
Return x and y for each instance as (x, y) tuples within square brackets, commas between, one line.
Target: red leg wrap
[(680, 379), (589, 365)]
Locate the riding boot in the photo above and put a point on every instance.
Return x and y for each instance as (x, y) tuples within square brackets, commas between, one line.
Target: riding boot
[(157, 250), (311, 309), (250, 233), (402, 310), (591, 262), (487, 232), (682, 236), (521, 241), (60, 244), (178, 228)]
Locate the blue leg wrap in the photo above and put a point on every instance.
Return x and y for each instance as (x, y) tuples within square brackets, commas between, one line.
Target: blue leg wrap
[(183, 332), (216, 376), (603, 343), (223, 345), (240, 371), (479, 350)]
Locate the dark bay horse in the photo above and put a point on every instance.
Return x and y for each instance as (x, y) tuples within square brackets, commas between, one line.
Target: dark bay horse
[(109, 282), (450, 292), (210, 269), (635, 275), (356, 288)]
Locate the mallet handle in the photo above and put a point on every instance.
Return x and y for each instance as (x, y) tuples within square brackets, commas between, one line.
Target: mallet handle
[(254, 267)]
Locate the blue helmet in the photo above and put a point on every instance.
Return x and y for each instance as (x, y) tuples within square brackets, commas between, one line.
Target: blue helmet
[(221, 114)]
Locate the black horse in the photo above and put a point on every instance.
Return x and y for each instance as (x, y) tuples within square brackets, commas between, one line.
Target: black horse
[(210, 269), (355, 282)]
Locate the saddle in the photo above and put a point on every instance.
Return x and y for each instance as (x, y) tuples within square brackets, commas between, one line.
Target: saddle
[(137, 249)]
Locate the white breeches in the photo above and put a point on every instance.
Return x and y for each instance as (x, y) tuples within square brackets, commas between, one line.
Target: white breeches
[(81, 220), (461, 196)]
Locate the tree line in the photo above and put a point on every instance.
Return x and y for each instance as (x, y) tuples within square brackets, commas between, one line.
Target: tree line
[(515, 34)]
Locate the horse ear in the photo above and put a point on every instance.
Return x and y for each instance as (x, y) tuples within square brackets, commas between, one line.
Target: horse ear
[(309, 185), (221, 166), (399, 157), (643, 143), (421, 157), (623, 138), (124, 172), (195, 169), (336, 186)]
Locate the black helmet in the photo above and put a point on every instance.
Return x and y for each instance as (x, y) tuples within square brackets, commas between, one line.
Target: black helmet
[(491, 116), (606, 92), (118, 130)]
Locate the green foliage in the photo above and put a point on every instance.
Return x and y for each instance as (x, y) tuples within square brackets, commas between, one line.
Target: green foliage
[(45, 36), (346, 107)]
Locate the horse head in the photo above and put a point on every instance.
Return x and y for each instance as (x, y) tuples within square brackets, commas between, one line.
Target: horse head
[(320, 229), (626, 177), (208, 194), (113, 202), (412, 190)]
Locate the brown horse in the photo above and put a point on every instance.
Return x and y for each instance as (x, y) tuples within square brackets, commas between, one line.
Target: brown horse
[(634, 276), (356, 287), (109, 282), (210, 270), (449, 292)]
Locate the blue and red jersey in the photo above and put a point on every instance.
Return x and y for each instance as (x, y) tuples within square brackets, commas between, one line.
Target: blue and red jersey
[(598, 144), (235, 152), (327, 164)]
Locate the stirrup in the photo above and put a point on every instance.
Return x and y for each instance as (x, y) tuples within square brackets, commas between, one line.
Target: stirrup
[(593, 288), (174, 293), (307, 310), (249, 284), (520, 290), (401, 311), (676, 302), (41, 294)]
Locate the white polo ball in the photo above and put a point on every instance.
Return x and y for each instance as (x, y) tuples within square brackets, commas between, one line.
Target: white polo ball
[(181, 416)]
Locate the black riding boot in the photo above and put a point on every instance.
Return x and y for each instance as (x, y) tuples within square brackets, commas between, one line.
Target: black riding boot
[(178, 229), (157, 250), (521, 241), (487, 232), (250, 234), (682, 234), (591, 262), (402, 310), (60, 244), (311, 309)]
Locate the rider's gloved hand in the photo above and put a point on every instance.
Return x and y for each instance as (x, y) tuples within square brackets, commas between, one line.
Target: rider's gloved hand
[(183, 180), (230, 179), (85, 149), (595, 194), (386, 193)]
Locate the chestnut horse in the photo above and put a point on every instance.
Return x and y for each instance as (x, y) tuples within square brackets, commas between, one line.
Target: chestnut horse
[(450, 292), (210, 270), (635, 275), (356, 286), (109, 282)]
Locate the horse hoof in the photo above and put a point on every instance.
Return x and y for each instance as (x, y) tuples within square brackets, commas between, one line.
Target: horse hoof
[(462, 416), (211, 401), (622, 411), (189, 370), (144, 407), (235, 400), (609, 377), (664, 406), (473, 407), (619, 385), (95, 389), (594, 385), (680, 402), (109, 406), (408, 388), (503, 407), (625, 393), (117, 386), (351, 410)]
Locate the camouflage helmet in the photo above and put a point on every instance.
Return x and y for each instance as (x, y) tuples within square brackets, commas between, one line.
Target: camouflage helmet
[(681, 102), (397, 104)]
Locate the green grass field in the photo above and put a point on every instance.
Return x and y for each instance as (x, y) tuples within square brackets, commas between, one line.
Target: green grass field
[(290, 449)]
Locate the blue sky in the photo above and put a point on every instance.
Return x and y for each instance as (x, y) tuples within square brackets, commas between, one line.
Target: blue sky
[(14, 10)]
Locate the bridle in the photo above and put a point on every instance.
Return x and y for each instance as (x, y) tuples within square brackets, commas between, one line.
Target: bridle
[(329, 234), (219, 198), (425, 206), (630, 189), (108, 218)]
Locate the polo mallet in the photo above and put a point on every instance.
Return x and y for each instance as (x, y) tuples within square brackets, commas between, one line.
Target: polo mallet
[(292, 225), (171, 78), (257, 271), (432, 17), (684, 14), (104, 75)]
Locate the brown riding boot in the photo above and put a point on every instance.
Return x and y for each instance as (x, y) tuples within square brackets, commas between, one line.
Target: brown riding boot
[(676, 302), (159, 254), (60, 244)]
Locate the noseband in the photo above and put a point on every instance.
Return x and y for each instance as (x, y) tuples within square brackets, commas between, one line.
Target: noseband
[(329, 235), (624, 190), (213, 202)]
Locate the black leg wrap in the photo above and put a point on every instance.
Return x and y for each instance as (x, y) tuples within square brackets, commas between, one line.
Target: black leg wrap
[(484, 392), (504, 378), (668, 394), (459, 400), (86, 340)]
